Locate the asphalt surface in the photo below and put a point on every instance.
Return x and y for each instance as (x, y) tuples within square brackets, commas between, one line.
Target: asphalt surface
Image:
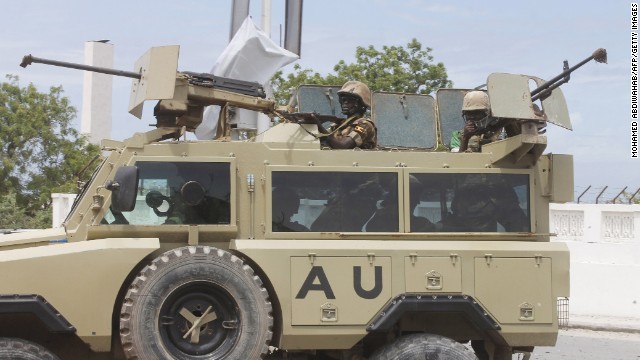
[(605, 323), (594, 337), (585, 344)]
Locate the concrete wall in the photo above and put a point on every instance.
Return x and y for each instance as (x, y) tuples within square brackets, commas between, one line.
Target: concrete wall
[(61, 206), (604, 240)]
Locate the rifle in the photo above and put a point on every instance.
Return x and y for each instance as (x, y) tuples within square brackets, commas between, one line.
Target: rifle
[(307, 117)]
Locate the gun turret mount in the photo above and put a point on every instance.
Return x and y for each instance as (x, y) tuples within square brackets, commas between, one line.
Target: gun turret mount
[(182, 95)]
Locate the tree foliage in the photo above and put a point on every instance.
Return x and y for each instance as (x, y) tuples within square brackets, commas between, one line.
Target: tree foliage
[(631, 197), (40, 153), (394, 69), (12, 216)]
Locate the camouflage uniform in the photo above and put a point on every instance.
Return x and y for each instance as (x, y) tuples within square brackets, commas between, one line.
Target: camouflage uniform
[(361, 130), (475, 141)]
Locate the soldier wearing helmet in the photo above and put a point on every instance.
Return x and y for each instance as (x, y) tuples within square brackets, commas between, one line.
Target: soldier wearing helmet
[(356, 130), (476, 111), (481, 202), (286, 203)]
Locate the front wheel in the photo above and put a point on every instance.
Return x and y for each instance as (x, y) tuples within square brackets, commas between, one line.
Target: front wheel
[(20, 349), (196, 302), (423, 347)]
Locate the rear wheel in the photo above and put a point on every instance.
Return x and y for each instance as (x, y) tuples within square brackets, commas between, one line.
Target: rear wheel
[(19, 349), (196, 302), (423, 347)]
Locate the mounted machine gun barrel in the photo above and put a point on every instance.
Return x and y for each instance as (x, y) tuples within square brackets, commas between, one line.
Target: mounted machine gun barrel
[(30, 59), (182, 95), (544, 90)]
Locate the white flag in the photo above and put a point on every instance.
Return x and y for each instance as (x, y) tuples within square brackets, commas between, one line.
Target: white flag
[(250, 56)]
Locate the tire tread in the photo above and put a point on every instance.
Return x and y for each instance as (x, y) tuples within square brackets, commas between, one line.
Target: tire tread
[(179, 255)]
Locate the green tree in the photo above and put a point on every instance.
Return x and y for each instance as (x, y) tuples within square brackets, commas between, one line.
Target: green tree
[(627, 197), (14, 217), (40, 153), (395, 68)]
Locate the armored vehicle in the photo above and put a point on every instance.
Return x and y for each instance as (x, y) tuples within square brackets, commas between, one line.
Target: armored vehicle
[(278, 247)]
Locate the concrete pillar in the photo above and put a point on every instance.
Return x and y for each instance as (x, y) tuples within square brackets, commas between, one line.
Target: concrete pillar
[(97, 92), (266, 17), (239, 12), (293, 26)]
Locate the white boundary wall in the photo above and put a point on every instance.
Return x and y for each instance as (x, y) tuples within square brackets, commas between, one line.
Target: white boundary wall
[(604, 240), (61, 206)]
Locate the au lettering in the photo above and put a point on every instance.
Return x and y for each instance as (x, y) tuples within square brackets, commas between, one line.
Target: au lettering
[(317, 281)]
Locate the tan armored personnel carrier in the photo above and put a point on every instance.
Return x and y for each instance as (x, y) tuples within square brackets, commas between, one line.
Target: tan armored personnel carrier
[(276, 247)]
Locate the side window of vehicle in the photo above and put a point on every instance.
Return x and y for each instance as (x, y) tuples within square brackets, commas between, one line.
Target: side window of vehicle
[(472, 202), (334, 201), (179, 193)]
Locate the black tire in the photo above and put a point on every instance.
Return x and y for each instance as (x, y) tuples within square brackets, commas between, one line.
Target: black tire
[(19, 349), (423, 347), (154, 320)]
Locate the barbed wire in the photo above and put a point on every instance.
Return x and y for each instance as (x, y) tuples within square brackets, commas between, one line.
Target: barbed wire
[(606, 195)]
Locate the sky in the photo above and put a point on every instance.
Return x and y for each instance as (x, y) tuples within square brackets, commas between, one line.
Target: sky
[(471, 38)]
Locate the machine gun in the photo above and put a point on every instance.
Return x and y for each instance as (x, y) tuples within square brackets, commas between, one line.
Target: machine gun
[(543, 91), (523, 113), (182, 95), (513, 103)]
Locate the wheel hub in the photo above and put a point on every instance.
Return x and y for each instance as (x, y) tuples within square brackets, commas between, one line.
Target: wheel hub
[(197, 322), (199, 319)]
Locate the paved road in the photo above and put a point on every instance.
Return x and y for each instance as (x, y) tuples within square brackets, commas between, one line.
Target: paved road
[(591, 345)]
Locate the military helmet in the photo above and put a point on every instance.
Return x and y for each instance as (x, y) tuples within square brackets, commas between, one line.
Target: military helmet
[(476, 100), (357, 89)]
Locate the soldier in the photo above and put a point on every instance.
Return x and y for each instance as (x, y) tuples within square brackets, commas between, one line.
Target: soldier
[(352, 204), (285, 204), (476, 111), (356, 130), (418, 223), (482, 201)]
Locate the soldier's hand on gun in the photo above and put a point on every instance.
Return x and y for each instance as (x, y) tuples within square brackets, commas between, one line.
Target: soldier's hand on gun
[(308, 118)]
